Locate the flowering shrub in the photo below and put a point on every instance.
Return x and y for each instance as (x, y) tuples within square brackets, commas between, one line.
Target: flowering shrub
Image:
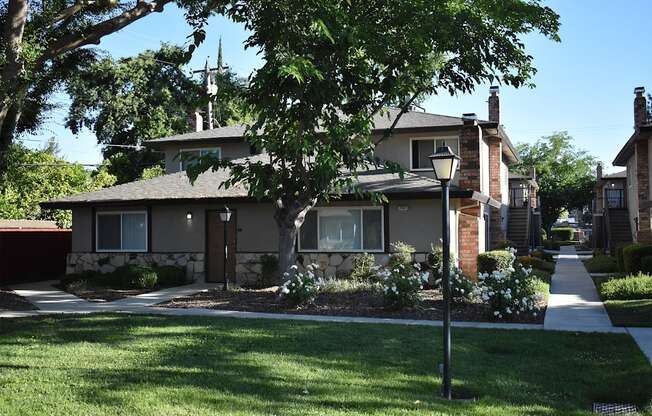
[(300, 288), (401, 254), (401, 285), (363, 267), (461, 286), (509, 292)]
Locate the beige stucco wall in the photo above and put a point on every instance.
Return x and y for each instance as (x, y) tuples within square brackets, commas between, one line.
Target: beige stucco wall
[(416, 222), (229, 151), (397, 148)]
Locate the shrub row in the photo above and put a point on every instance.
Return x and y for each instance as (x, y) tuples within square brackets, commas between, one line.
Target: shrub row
[(628, 288), (562, 233), (130, 276), (537, 263), (601, 264)]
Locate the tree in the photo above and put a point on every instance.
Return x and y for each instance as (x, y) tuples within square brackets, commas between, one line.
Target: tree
[(38, 38), (330, 67), (564, 173), (131, 100), (34, 176)]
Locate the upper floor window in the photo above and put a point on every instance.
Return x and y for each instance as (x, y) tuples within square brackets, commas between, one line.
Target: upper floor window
[(615, 198), (190, 155), (121, 231), (422, 148)]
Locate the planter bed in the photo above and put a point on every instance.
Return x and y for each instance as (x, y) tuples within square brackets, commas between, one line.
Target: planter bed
[(105, 294), (355, 303), (10, 301)]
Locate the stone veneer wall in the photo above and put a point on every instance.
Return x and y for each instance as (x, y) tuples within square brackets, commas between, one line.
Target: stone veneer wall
[(108, 262), (248, 265)]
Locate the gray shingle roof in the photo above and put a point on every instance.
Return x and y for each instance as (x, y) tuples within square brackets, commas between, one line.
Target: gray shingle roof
[(176, 186), (616, 175), (409, 120)]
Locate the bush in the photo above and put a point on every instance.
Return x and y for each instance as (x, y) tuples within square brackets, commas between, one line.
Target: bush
[(504, 245), (363, 268), (601, 264), (300, 288), (133, 276), (268, 270), (170, 275), (543, 235), (646, 265), (510, 292), (562, 234), (435, 261), (537, 263), (619, 257), (542, 275), (401, 285), (499, 260), (74, 278), (540, 254), (349, 286), (401, 254), (628, 288), (551, 245), (632, 255)]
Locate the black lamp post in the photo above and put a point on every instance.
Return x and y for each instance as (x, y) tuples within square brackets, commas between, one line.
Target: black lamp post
[(444, 164), (225, 216)]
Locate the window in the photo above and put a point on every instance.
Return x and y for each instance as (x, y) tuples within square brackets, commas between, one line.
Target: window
[(615, 198), (121, 231), (342, 229), (422, 148), (197, 153), (518, 197)]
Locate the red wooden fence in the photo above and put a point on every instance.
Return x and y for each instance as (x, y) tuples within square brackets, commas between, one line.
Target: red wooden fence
[(33, 254)]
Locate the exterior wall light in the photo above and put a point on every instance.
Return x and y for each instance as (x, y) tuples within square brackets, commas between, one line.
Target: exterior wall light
[(189, 215)]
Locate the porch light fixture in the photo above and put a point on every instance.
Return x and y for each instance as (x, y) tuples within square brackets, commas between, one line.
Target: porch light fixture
[(225, 216), (444, 165), (189, 215)]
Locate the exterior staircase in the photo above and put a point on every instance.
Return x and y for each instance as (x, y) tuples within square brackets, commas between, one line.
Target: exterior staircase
[(618, 227), (518, 229)]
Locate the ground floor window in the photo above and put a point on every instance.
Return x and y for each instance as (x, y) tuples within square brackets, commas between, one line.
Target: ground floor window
[(121, 231), (342, 229)]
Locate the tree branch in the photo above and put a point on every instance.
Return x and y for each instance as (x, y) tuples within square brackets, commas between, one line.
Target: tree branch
[(404, 109), (94, 34), (69, 12)]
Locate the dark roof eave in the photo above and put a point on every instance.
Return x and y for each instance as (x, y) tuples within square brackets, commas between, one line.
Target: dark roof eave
[(454, 193)]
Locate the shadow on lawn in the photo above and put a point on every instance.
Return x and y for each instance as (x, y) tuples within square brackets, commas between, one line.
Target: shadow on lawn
[(279, 366)]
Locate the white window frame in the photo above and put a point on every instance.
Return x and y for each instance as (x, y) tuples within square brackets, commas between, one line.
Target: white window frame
[(121, 213), (429, 169), (217, 149), (361, 250)]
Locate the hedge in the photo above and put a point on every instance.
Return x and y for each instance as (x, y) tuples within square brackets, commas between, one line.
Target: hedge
[(646, 264), (562, 233), (619, 257), (130, 276), (494, 260), (632, 255), (537, 263), (628, 288)]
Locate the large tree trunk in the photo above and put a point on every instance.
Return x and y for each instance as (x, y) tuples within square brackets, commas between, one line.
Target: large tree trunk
[(289, 217)]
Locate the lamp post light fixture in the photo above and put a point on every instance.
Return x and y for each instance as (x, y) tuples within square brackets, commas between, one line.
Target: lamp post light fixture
[(225, 216), (444, 165)]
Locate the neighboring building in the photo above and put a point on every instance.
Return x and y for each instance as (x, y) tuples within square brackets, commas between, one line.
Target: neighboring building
[(623, 200), (524, 218), (167, 220)]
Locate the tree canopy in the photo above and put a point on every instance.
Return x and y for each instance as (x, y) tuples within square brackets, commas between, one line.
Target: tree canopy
[(330, 67), (564, 173), (41, 45), (34, 176)]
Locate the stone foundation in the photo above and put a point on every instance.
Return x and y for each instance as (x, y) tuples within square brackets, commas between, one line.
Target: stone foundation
[(248, 265), (108, 262)]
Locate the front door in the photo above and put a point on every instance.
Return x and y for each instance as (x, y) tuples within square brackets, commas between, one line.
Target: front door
[(215, 247)]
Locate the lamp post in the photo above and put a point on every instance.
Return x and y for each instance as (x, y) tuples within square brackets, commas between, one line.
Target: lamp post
[(444, 164), (225, 216)]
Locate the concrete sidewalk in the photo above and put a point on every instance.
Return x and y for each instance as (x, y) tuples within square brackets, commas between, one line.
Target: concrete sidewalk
[(574, 304)]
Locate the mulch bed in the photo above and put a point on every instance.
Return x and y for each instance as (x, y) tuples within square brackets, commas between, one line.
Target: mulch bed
[(10, 301), (358, 303)]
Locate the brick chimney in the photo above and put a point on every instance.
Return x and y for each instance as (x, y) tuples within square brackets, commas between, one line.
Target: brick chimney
[(640, 107), (494, 104), (598, 171)]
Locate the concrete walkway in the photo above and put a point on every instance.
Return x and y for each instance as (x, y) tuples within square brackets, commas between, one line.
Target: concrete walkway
[(574, 304)]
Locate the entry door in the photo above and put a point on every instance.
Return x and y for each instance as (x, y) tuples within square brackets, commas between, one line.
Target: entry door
[(215, 247)]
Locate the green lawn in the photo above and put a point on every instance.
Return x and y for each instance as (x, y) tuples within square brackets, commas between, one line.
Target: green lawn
[(630, 312), (153, 365)]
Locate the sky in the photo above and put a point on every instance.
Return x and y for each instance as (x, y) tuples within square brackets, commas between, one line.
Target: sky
[(584, 84)]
